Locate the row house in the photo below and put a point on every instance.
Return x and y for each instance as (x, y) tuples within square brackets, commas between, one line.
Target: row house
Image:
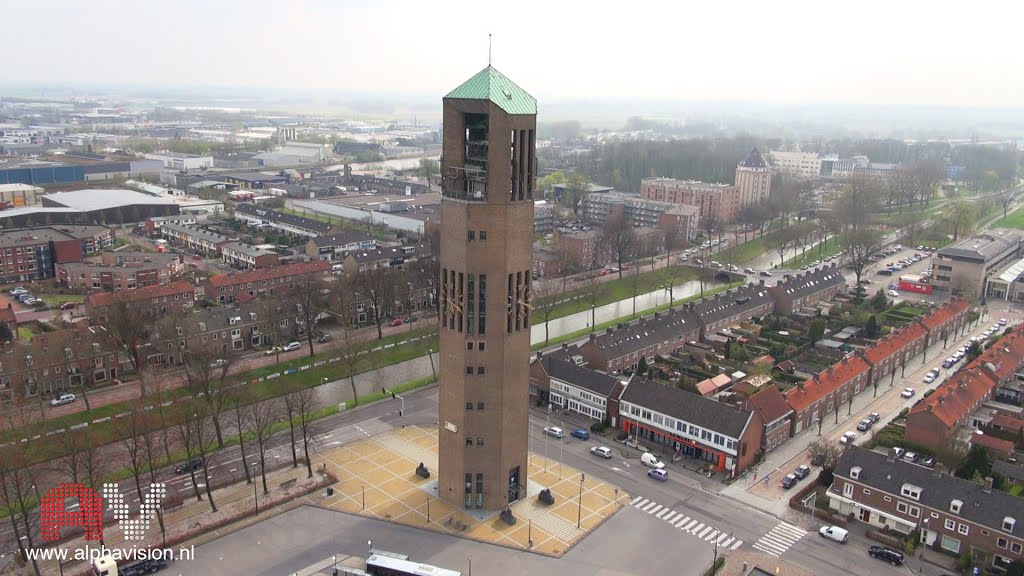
[(894, 351), (32, 253), (121, 271), (335, 247), (247, 257), (827, 391), (935, 420), (725, 436), (949, 319), (270, 280), (563, 380), (228, 329), (394, 257), (729, 308), (774, 414), (153, 225), (807, 288), (254, 215), (194, 239), (951, 513), (621, 348), (60, 361), (149, 301)]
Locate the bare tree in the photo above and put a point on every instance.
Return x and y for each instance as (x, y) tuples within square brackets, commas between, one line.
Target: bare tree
[(185, 429), (782, 240), (593, 290), (274, 318), (309, 297), (858, 200), (381, 288), (1006, 196), (619, 238), (961, 215), (204, 438), (343, 302), (546, 296), (241, 418), (124, 322), (862, 246), (668, 277), (81, 460), (290, 405), (263, 414), (17, 480), (133, 430), (306, 404)]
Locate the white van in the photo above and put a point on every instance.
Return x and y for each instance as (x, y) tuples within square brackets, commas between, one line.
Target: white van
[(834, 533), (651, 460), (337, 267)]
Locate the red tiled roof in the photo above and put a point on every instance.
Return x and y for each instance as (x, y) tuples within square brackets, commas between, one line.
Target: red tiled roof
[(826, 382), (943, 313), (992, 443), (260, 274), (1004, 422), (958, 395), (770, 404), (158, 291), (894, 342), (1005, 356)]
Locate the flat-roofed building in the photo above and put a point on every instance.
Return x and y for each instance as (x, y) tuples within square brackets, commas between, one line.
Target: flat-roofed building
[(965, 267)]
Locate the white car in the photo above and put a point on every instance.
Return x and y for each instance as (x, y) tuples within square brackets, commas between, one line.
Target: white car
[(834, 533), (602, 451), (554, 432), (848, 438), (291, 346), (62, 400), (1002, 321), (908, 393), (893, 294), (929, 378)]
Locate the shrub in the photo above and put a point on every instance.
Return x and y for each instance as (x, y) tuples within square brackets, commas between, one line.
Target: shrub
[(963, 562)]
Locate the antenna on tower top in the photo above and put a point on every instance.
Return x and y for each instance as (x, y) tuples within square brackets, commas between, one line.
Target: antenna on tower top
[(488, 49)]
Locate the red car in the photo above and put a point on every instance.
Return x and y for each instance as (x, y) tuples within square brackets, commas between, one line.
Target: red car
[(396, 322), (67, 306)]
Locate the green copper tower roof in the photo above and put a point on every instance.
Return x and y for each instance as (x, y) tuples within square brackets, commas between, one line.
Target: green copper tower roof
[(489, 84)]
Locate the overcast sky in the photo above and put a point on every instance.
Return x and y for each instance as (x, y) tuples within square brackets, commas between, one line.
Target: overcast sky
[(787, 51)]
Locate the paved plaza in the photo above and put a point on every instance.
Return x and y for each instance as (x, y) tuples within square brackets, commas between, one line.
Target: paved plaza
[(377, 478)]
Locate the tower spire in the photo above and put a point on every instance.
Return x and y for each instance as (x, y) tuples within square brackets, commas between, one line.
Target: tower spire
[(488, 49)]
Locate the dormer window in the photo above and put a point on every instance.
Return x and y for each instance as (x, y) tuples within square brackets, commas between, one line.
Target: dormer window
[(911, 491), (955, 505), (1008, 524), (855, 472)]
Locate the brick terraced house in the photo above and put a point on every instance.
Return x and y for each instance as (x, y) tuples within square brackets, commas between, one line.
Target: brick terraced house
[(270, 280)]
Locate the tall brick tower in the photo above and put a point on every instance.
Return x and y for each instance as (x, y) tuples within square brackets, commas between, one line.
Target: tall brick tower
[(488, 170), (754, 179)]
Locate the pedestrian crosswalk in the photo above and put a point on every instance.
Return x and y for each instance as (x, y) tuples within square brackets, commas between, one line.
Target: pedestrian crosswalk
[(689, 525), (779, 539)]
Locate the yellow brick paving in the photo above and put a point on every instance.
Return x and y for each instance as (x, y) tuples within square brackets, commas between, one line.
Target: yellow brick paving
[(377, 479)]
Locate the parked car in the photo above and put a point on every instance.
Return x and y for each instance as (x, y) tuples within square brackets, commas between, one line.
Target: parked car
[(874, 417), (68, 306), (62, 400), (802, 471), (788, 482), (750, 271), (886, 554), (291, 346), (929, 378), (396, 322), (193, 464), (928, 462), (651, 460), (272, 351), (893, 294), (834, 533), (910, 456), (848, 438), (323, 338), (658, 474), (219, 362), (410, 319), (554, 432), (908, 393), (580, 433), (865, 425), (1002, 321), (17, 290), (602, 451), (766, 274)]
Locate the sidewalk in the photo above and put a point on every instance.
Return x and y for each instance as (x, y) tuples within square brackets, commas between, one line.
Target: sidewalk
[(765, 494)]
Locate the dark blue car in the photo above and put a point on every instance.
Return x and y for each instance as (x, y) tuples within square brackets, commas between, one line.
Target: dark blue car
[(581, 434)]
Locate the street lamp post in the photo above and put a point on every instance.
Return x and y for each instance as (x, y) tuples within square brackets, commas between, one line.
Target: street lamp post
[(430, 356), (579, 509), (714, 563), (470, 558), (255, 496), (335, 571)]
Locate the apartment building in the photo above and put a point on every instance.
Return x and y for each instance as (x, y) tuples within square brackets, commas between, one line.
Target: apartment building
[(247, 257), (966, 266), (754, 179), (254, 215), (677, 219), (385, 257), (153, 225), (954, 514), (720, 202), (121, 271), (31, 253), (270, 280), (725, 436), (803, 164)]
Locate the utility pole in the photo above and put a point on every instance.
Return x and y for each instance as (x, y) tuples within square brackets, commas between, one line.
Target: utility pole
[(401, 411)]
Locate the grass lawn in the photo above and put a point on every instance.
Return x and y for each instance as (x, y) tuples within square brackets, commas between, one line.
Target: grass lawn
[(55, 300), (614, 290), (745, 252), (1014, 219), (815, 252), (25, 333)]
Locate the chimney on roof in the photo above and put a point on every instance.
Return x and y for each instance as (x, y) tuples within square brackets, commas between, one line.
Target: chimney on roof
[(988, 485)]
